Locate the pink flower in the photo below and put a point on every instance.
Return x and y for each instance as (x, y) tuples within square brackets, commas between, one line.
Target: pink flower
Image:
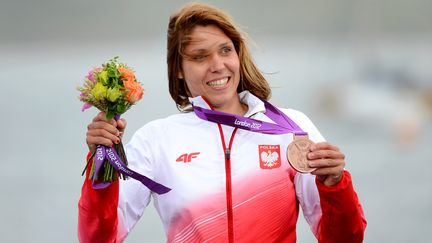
[(90, 74), (85, 106)]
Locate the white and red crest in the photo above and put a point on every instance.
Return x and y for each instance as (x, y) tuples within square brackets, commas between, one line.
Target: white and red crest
[(269, 156)]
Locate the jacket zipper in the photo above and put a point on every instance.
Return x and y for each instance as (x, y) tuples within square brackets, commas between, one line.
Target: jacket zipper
[(228, 184)]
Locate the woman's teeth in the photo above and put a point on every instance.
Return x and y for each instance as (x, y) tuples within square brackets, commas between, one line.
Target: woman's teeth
[(218, 83)]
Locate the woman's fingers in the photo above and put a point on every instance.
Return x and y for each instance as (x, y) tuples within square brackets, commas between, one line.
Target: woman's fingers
[(104, 132), (325, 154), (97, 135), (329, 162), (324, 146), (102, 125), (324, 167), (121, 124), (319, 163)]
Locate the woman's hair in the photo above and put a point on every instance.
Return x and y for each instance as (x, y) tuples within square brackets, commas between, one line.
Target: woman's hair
[(180, 27)]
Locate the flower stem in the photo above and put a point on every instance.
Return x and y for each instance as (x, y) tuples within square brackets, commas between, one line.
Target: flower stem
[(88, 162)]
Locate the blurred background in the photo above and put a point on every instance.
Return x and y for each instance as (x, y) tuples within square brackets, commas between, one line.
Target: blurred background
[(361, 70)]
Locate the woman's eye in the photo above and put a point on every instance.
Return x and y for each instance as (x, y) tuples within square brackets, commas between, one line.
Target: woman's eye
[(226, 50), (199, 57)]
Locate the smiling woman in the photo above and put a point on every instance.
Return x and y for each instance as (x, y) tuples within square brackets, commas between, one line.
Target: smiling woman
[(199, 34), (244, 191), (211, 69)]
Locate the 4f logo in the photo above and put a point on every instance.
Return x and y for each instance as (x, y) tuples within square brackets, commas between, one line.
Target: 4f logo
[(187, 157), (269, 156)]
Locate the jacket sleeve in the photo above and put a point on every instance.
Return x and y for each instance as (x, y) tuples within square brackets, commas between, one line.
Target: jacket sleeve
[(97, 212), (342, 217)]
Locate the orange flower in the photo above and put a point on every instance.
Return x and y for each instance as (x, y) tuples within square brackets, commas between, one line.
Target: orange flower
[(126, 74), (134, 89)]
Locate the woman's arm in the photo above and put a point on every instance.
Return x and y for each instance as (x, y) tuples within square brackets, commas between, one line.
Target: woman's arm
[(97, 208), (342, 217), (97, 212)]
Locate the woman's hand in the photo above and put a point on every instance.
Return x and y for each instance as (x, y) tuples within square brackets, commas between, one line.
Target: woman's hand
[(105, 132), (329, 162)]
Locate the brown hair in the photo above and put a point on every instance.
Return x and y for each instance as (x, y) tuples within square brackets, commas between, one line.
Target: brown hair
[(181, 25)]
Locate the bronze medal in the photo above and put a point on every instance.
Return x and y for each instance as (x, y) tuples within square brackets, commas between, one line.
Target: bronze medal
[(297, 153)]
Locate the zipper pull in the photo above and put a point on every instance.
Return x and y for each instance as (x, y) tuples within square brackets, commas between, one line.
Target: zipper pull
[(227, 154)]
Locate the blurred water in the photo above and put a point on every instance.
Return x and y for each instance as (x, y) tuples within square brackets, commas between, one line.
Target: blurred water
[(43, 144)]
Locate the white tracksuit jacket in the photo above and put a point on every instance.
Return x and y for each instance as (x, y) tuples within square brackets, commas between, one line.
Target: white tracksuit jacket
[(249, 195)]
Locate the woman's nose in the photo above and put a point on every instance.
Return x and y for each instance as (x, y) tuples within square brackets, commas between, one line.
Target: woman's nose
[(216, 63)]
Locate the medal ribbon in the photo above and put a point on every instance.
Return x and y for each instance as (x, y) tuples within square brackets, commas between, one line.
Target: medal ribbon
[(104, 152), (108, 153), (283, 123)]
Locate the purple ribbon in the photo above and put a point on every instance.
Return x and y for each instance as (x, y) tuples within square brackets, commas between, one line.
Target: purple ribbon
[(283, 123), (104, 152)]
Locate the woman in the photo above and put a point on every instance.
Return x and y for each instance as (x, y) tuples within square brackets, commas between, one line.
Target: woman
[(228, 184)]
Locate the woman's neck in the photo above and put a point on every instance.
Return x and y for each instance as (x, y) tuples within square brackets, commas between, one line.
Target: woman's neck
[(236, 109)]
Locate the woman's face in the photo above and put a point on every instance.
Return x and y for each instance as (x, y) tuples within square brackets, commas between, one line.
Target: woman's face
[(211, 66)]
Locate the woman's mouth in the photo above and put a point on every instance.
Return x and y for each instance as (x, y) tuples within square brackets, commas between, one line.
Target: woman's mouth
[(218, 83)]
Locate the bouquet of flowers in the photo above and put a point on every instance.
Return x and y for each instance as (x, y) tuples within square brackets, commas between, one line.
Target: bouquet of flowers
[(112, 89)]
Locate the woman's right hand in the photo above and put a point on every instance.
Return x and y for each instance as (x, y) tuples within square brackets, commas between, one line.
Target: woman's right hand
[(104, 132)]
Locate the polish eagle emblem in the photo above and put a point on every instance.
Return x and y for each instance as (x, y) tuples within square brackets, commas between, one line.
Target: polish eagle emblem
[(269, 158)]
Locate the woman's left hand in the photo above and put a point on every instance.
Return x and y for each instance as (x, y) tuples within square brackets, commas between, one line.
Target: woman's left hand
[(329, 162)]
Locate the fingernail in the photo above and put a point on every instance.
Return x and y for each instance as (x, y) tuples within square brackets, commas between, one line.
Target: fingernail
[(117, 141), (311, 164)]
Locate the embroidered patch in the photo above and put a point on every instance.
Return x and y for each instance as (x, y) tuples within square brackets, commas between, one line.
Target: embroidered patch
[(269, 156)]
